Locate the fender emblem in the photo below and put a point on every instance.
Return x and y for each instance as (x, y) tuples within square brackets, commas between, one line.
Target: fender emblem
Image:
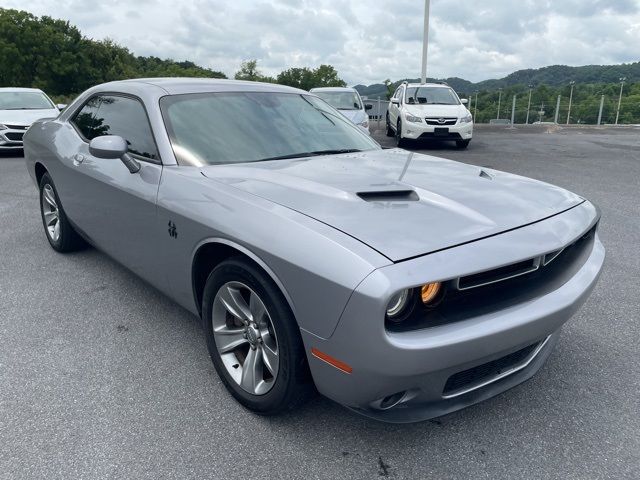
[(173, 231)]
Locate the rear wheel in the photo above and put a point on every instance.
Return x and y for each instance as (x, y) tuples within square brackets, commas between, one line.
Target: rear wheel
[(61, 235), (462, 144), (253, 339)]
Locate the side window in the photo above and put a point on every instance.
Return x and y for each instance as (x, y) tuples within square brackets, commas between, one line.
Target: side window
[(396, 94), (401, 95), (85, 120), (115, 115)]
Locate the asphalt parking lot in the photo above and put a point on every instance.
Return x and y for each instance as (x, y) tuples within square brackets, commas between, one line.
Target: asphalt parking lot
[(101, 376)]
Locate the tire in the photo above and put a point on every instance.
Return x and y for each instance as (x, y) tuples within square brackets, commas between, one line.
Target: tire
[(59, 232), (264, 390), (462, 144), (400, 142), (390, 132)]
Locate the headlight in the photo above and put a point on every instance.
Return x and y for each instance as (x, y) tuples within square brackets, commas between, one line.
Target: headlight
[(430, 293), (398, 304), (466, 119), (3, 127), (364, 124), (411, 118)]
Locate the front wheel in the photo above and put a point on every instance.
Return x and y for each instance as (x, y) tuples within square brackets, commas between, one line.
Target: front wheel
[(253, 339), (462, 144), (400, 142), (59, 231), (390, 132)]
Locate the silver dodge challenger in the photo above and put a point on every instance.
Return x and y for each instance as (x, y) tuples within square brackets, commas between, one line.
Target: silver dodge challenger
[(401, 285)]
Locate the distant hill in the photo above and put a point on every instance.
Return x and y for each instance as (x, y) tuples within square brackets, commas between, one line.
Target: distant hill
[(554, 75)]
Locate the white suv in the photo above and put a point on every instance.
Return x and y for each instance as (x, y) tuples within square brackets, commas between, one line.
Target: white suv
[(428, 111)]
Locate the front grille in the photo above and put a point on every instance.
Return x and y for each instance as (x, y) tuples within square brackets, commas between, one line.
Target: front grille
[(436, 121), (14, 136), (16, 127), (487, 371)]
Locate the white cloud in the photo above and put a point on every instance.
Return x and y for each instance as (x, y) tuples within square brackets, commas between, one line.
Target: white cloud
[(366, 41)]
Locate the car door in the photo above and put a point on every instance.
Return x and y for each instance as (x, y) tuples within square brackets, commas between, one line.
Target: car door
[(113, 207)]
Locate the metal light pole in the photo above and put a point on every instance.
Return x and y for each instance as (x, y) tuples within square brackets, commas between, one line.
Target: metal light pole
[(499, 98), (425, 40), (475, 107), (572, 83), (600, 111), (622, 79), (528, 105)]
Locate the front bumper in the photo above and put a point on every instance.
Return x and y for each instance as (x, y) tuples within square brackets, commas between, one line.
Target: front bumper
[(417, 364), (422, 131), (11, 138)]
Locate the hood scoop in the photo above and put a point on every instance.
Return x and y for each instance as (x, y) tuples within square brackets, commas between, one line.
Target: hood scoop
[(389, 196)]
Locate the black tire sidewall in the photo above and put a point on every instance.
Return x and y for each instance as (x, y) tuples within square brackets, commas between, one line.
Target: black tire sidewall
[(56, 245), (292, 376)]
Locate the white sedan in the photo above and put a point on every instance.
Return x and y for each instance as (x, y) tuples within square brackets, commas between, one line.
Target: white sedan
[(19, 108)]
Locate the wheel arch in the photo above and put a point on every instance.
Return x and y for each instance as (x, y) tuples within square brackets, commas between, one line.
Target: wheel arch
[(211, 252), (39, 170)]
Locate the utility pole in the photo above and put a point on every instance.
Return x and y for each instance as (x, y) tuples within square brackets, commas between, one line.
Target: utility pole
[(572, 83), (555, 120), (622, 79), (425, 40), (529, 104), (513, 111), (499, 98)]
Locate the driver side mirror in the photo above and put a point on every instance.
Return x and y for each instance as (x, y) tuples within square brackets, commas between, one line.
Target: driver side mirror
[(112, 147), (368, 106), (395, 101), (61, 106), (464, 101)]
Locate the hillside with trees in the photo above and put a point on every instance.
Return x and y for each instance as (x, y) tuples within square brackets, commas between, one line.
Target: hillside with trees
[(54, 55)]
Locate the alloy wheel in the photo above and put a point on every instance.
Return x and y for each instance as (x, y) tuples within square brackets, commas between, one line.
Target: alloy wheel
[(245, 337), (50, 213)]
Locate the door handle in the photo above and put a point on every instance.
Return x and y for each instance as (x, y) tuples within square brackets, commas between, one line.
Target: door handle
[(78, 158)]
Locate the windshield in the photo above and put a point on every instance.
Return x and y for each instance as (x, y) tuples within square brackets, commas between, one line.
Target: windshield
[(341, 100), (431, 96), (219, 128), (24, 101)]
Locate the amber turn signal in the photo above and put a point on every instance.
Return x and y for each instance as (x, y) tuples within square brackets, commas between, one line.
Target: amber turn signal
[(429, 292)]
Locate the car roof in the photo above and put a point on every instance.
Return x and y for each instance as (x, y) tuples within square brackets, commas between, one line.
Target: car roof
[(185, 85), (20, 89), (333, 89)]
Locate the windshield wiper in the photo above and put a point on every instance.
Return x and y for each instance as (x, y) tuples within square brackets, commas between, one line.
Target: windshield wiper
[(311, 154)]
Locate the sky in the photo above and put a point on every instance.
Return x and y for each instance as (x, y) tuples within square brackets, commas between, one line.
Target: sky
[(366, 41)]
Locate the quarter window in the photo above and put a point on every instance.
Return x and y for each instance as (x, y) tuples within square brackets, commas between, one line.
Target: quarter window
[(115, 115)]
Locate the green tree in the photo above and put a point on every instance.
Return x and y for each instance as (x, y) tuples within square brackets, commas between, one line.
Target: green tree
[(307, 78), (249, 71)]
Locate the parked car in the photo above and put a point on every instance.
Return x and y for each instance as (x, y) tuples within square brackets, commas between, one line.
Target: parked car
[(429, 111), (19, 108), (348, 102), (401, 285)]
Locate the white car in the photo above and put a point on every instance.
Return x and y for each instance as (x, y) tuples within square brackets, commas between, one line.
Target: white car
[(348, 102), (19, 108), (428, 111)]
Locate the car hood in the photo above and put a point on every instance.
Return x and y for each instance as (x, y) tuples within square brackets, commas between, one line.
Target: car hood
[(399, 203), (436, 110), (26, 117)]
